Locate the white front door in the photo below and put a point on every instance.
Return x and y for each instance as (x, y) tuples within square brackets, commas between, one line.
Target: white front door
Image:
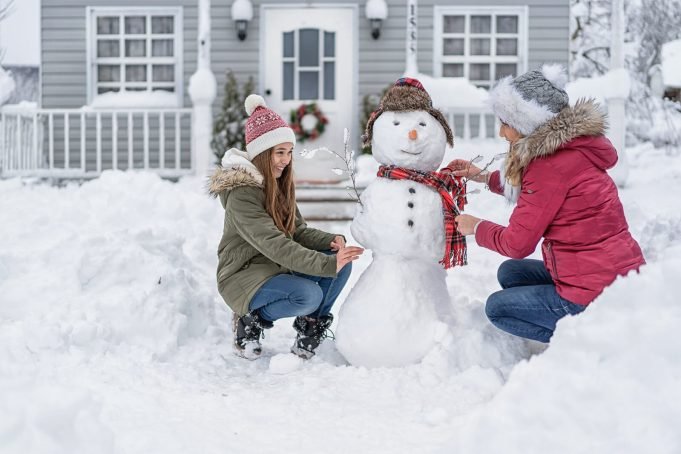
[(308, 56)]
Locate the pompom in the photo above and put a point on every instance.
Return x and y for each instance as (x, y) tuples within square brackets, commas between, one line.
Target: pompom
[(555, 74), (253, 102)]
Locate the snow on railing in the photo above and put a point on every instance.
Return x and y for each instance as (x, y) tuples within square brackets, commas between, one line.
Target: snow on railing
[(472, 122), (82, 143)]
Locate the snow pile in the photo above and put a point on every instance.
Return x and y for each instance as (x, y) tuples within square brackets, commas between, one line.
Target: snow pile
[(671, 63), (7, 85), (124, 280), (613, 84), (452, 92), (135, 99), (609, 379)]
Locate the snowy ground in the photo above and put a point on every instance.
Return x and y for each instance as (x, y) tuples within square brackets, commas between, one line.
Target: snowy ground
[(113, 339)]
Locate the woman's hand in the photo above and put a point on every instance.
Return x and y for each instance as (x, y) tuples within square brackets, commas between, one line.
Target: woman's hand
[(465, 224), (338, 243), (347, 255), (463, 168)]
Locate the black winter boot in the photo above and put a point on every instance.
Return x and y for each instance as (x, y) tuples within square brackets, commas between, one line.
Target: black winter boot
[(311, 333), (247, 330)]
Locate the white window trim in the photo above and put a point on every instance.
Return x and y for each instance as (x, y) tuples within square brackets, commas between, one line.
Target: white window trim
[(439, 11), (91, 48)]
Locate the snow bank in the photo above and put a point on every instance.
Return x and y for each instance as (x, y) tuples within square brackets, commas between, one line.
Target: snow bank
[(98, 272), (671, 63), (613, 84), (609, 382)]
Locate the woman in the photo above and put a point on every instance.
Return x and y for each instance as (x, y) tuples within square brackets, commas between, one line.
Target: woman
[(556, 172), (271, 265)]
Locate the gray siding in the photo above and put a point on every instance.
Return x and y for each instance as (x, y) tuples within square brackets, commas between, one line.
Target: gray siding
[(381, 61)]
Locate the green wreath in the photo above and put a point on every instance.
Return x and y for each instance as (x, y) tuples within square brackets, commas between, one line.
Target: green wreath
[(296, 122)]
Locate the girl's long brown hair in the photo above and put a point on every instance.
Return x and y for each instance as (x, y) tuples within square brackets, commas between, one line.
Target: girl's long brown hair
[(280, 194)]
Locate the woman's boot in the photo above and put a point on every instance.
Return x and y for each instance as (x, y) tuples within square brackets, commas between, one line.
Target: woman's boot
[(311, 333)]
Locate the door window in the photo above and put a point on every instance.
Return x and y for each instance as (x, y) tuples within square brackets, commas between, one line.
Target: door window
[(309, 64)]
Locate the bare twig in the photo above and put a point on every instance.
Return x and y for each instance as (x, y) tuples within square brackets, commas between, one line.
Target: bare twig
[(348, 159)]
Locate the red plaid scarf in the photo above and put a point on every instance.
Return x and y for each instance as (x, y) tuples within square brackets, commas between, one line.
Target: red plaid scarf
[(444, 183)]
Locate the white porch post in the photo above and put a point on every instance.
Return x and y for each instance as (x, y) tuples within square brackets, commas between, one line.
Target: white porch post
[(202, 90), (412, 68), (616, 113)]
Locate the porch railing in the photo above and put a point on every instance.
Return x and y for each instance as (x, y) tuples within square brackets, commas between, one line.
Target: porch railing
[(80, 143), (472, 123)]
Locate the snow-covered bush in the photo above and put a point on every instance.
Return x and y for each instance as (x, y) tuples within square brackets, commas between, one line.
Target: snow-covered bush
[(649, 119)]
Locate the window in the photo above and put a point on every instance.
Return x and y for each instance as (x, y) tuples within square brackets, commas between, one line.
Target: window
[(309, 64), (135, 50), (482, 44)]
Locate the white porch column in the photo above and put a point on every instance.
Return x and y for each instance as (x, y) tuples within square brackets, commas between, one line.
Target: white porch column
[(202, 90), (616, 113), (412, 68)]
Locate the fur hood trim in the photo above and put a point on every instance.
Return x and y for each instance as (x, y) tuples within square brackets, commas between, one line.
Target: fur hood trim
[(585, 118), (235, 171)]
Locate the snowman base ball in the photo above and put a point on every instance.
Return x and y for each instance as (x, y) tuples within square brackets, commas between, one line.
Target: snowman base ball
[(393, 325)]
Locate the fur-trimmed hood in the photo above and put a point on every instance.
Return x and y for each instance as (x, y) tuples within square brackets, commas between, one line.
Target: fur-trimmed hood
[(234, 171), (583, 119)]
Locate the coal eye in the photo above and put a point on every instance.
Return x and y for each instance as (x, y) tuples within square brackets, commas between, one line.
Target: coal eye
[(396, 123), (423, 123)]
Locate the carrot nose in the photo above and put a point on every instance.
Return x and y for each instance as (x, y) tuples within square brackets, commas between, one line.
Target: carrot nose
[(413, 135)]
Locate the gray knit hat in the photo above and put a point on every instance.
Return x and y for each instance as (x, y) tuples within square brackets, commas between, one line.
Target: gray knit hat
[(530, 99)]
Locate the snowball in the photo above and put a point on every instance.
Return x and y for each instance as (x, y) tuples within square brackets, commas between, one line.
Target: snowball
[(284, 363)]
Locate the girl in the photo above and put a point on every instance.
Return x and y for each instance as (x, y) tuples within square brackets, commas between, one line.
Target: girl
[(271, 265), (556, 172)]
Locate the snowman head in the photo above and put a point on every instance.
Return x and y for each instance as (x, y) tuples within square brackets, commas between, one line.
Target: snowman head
[(413, 140), (406, 131)]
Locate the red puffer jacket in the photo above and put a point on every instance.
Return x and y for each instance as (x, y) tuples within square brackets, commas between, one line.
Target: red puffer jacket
[(568, 198)]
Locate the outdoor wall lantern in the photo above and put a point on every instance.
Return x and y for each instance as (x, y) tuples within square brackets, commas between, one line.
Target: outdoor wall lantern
[(376, 12), (242, 13)]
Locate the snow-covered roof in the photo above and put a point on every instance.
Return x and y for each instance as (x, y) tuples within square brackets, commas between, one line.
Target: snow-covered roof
[(671, 63)]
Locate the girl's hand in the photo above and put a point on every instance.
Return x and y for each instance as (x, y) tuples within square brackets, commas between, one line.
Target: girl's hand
[(463, 168), (338, 243), (347, 255), (465, 224)]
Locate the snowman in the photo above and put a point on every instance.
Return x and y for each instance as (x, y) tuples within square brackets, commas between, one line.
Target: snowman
[(399, 307)]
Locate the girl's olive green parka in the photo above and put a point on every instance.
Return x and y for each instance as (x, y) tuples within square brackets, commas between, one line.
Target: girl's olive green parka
[(252, 248)]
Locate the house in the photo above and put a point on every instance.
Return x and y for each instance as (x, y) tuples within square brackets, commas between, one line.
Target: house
[(129, 62)]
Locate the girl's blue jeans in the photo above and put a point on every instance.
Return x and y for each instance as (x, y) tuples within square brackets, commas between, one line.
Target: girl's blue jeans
[(529, 305), (296, 294)]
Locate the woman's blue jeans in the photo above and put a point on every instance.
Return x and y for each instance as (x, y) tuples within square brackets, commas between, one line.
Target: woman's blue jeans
[(528, 306), (297, 294)]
